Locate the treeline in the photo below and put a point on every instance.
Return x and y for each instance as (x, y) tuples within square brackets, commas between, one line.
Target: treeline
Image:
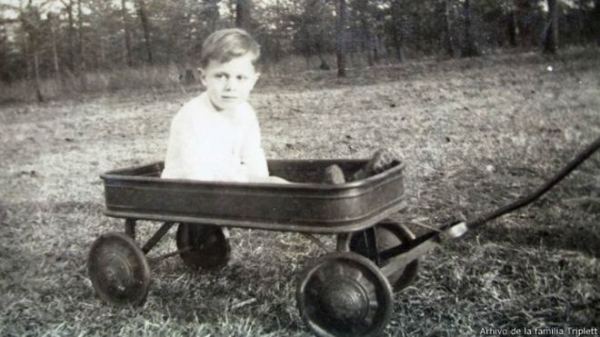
[(58, 39)]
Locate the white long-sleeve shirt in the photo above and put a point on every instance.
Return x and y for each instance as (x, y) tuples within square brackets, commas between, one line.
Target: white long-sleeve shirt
[(205, 144)]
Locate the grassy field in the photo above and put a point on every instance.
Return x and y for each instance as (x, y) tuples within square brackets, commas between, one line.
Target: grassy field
[(474, 133)]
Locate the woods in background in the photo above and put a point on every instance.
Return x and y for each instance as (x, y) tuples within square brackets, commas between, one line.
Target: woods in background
[(64, 39)]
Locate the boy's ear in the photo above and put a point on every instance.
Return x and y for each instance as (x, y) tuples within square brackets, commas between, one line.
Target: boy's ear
[(202, 76), (256, 77)]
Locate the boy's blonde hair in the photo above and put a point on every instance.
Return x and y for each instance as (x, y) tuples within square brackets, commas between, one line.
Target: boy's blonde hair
[(227, 44)]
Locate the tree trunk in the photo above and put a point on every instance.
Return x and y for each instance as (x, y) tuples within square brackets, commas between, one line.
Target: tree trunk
[(324, 65), (71, 36), (513, 30), (447, 30), (581, 20), (80, 37), (341, 41), (26, 52), (398, 38), (470, 48), (277, 53), (146, 28), (366, 34), (376, 44), (596, 20), (242, 14), (551, 36), (101, 61), (212, 14), (38, 80), (82, 66), (367, 49), (126, 37), (52, 21)]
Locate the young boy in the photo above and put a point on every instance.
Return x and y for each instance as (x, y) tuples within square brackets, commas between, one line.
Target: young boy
[(216, 136)]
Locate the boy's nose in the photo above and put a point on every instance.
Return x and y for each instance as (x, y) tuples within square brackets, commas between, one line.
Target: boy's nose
[(231, 84)]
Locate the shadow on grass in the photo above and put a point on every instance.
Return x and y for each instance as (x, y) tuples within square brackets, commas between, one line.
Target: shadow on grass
[(43, 238), (242, 289), (43, 252), (582, 239)]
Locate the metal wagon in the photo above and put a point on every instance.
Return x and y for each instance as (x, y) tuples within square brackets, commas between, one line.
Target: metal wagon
[(345, 292)]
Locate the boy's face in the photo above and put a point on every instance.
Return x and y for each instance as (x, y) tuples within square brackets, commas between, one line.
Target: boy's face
[(229, 84)]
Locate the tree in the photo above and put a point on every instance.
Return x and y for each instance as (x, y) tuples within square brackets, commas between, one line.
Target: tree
[(366, 14), (341, 43), (32, 37), (211, 14), (126, 34), (146, 28), (396, 29), (71, 33), (242, 13), (52, 21), (447, 36), (82, 66), (6, 69), (470, 47), (513, 32), (551, 31), (274, 28), (313, 24), (596, 20), (527, 13)]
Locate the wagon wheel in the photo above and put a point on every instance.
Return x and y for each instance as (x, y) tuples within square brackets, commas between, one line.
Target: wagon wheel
[(118, 269), (388, 234), (203, 246), (344, 294)]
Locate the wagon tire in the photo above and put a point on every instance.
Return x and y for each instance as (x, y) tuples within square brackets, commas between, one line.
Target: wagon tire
[(119, 270), (344, 294), (203, 246), (389, 234)]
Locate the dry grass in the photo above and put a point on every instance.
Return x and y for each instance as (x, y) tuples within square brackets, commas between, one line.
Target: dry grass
[(475, 134), (161, 78)]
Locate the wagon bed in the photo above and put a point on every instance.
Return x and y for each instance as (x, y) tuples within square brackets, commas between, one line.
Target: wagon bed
[(344, 293), (307, 205)]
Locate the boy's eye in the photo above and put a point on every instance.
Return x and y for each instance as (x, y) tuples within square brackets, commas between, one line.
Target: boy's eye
[(241, 77), (220, 76)]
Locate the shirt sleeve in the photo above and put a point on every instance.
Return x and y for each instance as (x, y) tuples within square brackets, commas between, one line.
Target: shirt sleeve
[(187, 155), (253, 155)]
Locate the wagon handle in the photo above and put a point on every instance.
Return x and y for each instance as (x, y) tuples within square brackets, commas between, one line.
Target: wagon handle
[(526, 200), (404, 253)]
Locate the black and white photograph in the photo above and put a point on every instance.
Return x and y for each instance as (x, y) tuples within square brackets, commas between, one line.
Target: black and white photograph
[(331, 168)]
